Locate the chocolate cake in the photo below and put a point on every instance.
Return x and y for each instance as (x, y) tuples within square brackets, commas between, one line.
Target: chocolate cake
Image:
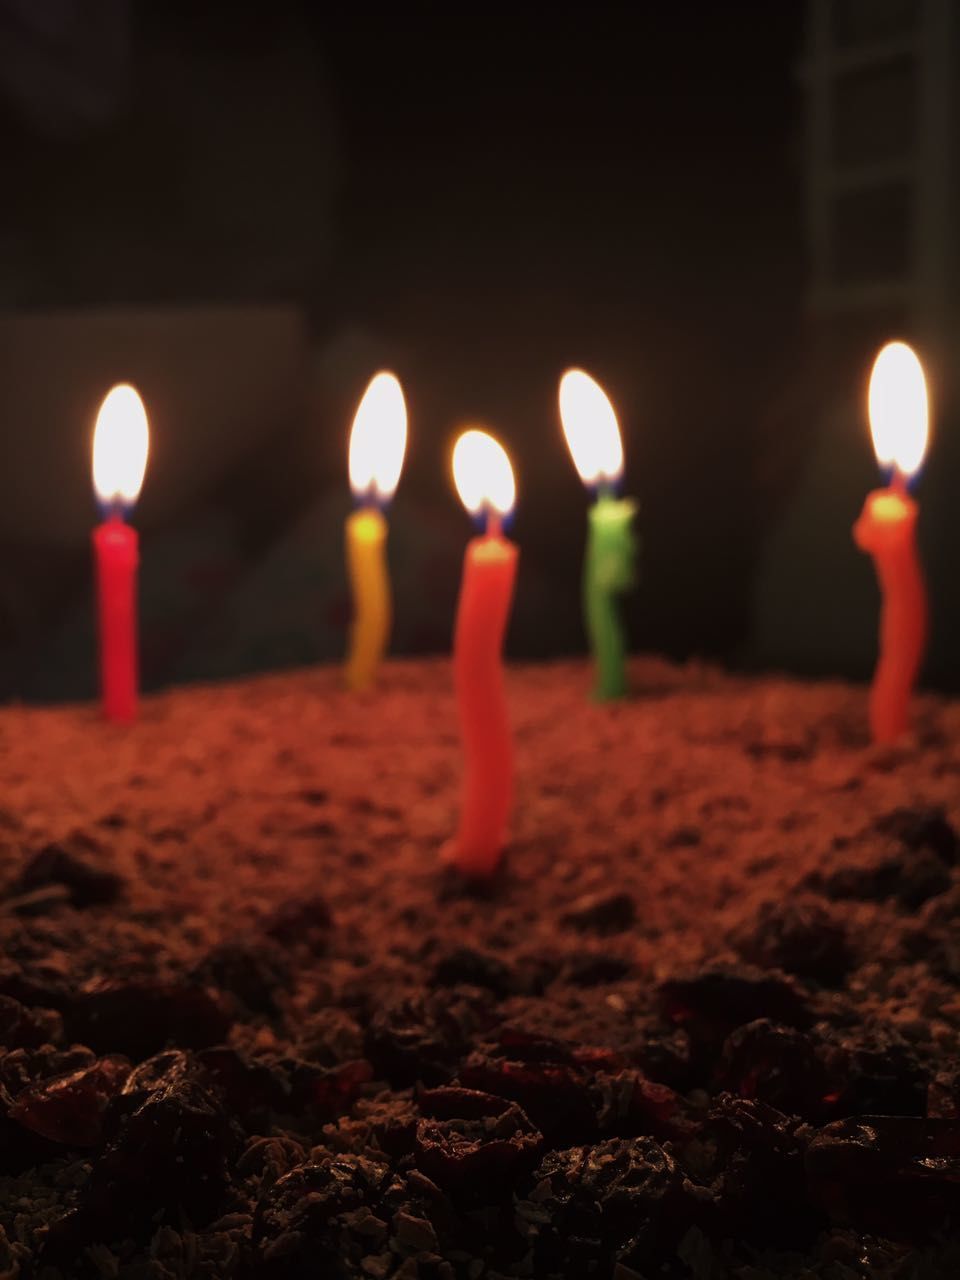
[(702, 1023)]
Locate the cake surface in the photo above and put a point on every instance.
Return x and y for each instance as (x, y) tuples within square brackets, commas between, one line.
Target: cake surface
[(703, 1022)]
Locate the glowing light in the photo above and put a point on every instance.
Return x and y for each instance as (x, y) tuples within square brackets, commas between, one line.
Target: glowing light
[(483, 474), (121, 440), (378, 438), (899, 414), (590, 426)]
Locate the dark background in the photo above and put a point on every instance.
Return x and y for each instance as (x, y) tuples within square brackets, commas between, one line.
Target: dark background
[(476, 196)]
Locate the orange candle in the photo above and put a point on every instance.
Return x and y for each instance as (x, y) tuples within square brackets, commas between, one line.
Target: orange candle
[(484, 480), (899, 424)]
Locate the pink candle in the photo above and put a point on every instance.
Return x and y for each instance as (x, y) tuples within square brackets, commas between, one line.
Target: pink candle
[(120, 444)]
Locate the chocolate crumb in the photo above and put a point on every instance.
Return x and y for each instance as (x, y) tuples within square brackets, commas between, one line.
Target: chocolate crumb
[(60, 866), (602, 913)]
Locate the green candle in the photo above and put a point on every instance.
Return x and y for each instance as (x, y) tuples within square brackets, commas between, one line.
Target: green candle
[(593, 436), (608, 571)]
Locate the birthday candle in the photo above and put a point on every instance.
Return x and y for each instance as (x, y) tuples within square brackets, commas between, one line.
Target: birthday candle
[(899, 424), (485, 483), (377, 444), (120, 446), (609, 569)]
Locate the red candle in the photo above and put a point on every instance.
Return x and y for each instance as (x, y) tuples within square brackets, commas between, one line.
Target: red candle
[(485, 482), (887, 530), (116, 553), (120, 443)]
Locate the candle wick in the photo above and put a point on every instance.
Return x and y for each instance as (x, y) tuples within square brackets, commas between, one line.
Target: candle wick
[(898, 481), (494, 526), (113, 510)]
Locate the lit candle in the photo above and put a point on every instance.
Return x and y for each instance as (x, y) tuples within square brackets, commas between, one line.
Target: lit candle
[(120, 444), (899, 424), (593, 437), (484, 480), (378, 441)]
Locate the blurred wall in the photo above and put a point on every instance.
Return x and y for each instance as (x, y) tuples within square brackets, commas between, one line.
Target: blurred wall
[(476, 197)]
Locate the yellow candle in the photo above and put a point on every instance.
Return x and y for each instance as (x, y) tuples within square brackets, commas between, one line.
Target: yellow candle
[(370, 585), (377, 444)]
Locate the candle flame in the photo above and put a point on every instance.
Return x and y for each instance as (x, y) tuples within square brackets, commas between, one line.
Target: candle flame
[(378, 439), (590, 426), (899, 414), (121, 440), (483, 474)]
